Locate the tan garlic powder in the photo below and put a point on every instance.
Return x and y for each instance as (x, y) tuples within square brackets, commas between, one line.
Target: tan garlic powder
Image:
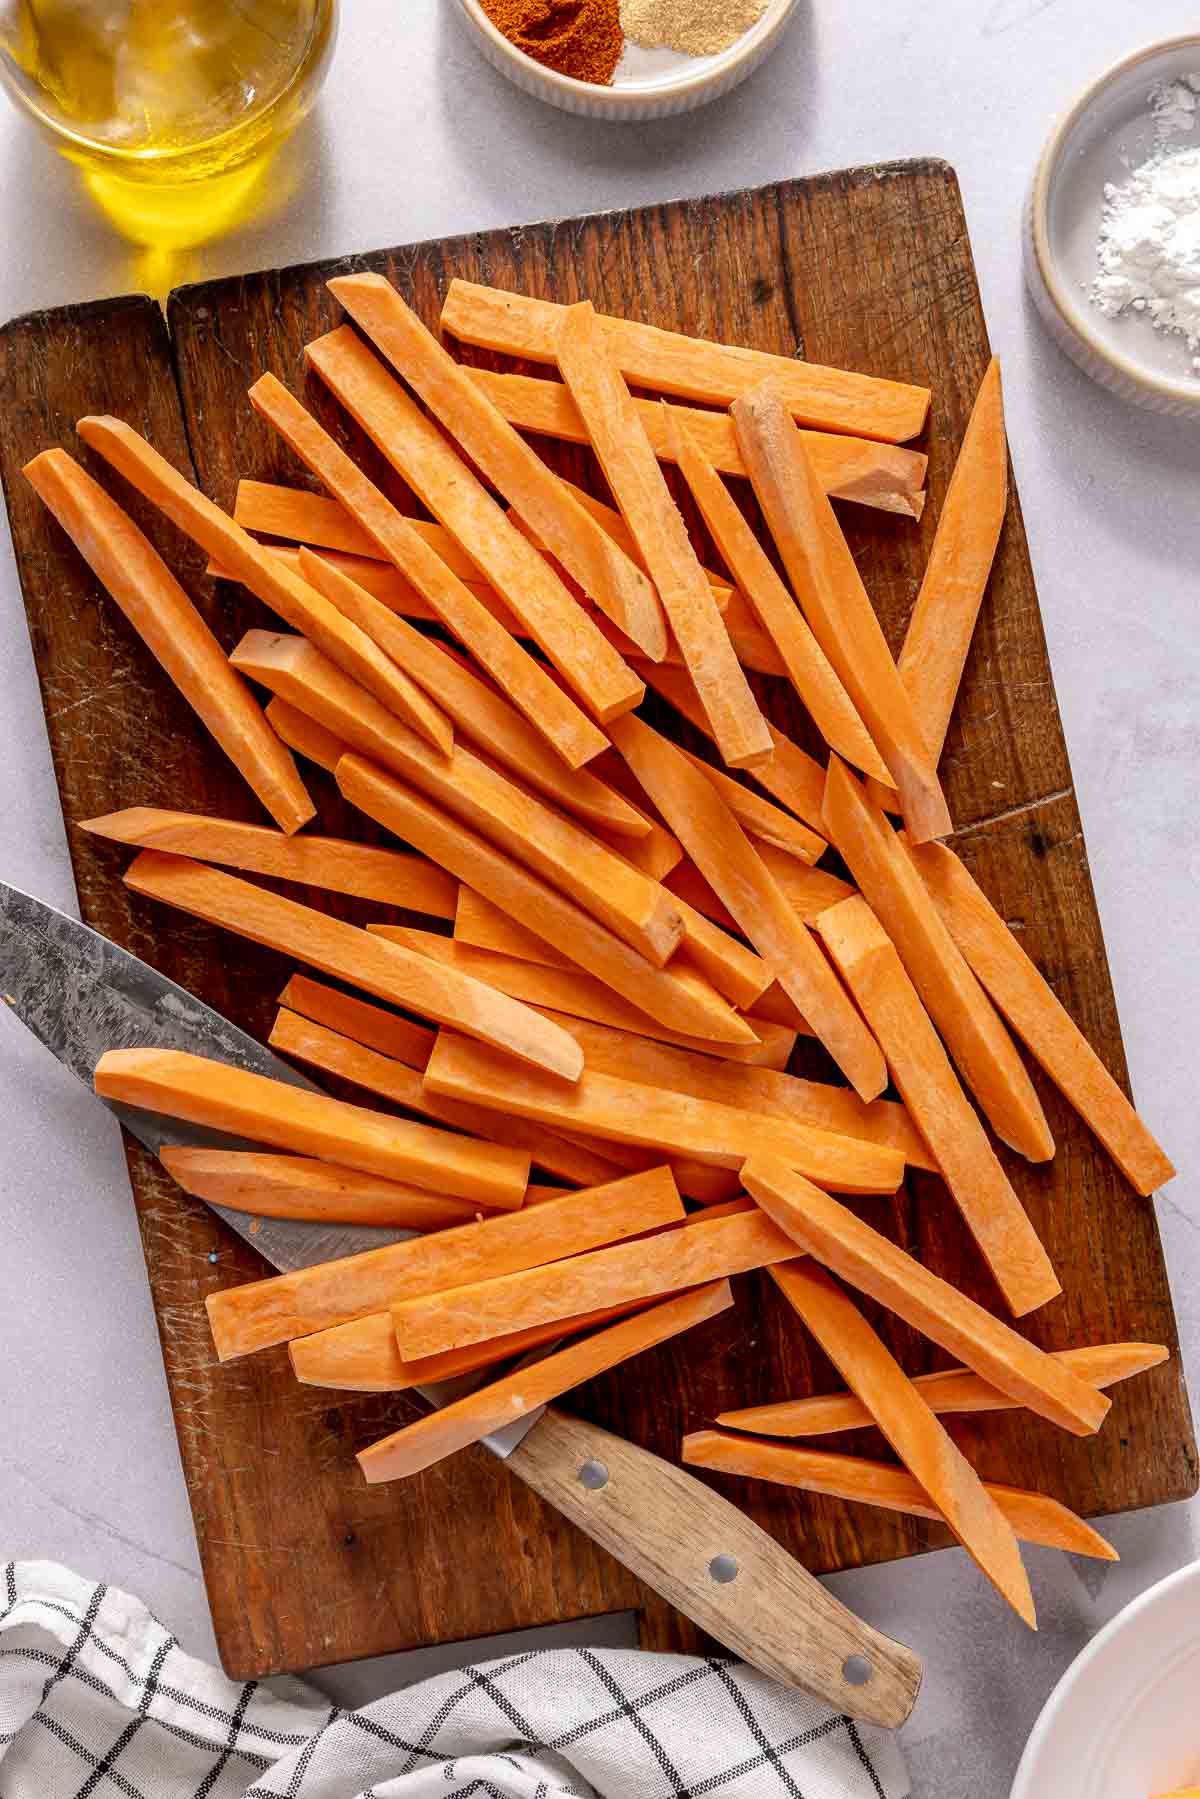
[(692, 27)]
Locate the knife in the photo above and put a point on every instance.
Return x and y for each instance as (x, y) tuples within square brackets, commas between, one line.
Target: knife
[(81, 994)]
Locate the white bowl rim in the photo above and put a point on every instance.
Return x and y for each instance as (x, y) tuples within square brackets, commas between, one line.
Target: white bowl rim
[(773, 16), (1048, 166), (1081, 1666)]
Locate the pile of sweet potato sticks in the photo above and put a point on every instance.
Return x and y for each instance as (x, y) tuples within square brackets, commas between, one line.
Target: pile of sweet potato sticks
[(637, 935)]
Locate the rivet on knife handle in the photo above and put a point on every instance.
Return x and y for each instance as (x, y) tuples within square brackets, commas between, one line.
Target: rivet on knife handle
[(714, 1564)]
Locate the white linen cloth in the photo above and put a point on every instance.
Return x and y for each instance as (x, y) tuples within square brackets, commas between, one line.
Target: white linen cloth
[(98, 1699)]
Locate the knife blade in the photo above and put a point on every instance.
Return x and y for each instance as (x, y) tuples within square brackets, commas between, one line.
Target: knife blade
[(81, 994)]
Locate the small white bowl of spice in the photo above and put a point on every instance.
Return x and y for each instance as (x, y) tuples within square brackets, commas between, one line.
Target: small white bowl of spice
[(1112, 229), (626, 59)]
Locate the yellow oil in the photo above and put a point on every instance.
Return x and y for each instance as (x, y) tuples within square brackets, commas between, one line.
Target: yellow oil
[(172, 109)]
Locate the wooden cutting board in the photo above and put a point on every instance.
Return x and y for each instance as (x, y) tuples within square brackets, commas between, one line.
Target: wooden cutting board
[(870, 269)]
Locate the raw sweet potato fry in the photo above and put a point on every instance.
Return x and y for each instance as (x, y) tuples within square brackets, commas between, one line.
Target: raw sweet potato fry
[(372, 1026), (950, 1390), (567, 992), (364, 1356), (717, 845), (559, 849), (710, 1249), (825, 579), (392, 877), (877, 1267), (262, 1313), (922, 1444), (867, 961), (696, 1180), (1038, 1016), (657, 1118), (269, 1186), (319, 1047), (810, 673), (128, 566), (693, 368), (610, 521), (964, 546), (319, 521), (477, 710), (416, 449), (464, 1421), (607, 576), (1032, 1516), (456, 605), (305, 735), (676, 999), (380, 576), (388, 970), (967, 1020), (286, 1117), (637, 483), (849, 468), (762, 1090)]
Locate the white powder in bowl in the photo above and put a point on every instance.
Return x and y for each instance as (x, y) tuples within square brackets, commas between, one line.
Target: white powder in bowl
[(1148, 250)]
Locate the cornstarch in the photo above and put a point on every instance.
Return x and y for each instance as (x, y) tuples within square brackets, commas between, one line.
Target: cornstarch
[(1148, 250), (691, 27)]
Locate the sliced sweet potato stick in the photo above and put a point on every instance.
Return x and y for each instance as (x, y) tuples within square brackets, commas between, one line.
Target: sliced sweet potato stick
[(263, 573), (950, 1390), (267, 1186), (416, 449), (262, 1313), (972, 1028), (877, 1267), (381, 577), (364, 1357), (1039, 1018), (392, 877), (321, 521), (809, 890), (378, 1029), (607, 576), (611, 522), (563, 993), (644, 499), (922, 1444), (848, 468), (867, 961), (760, 819), (676, 999), (572, 734), (711, 1249), (693, 368), (558, 848), (319, 1047), (695, 1180), (657, 1118), (128, 566), (810, 673), (478, 711), (720, 849), (464, 1421), (286, 1117), (761, 1090), (791, 776), (1032, 1516), (305, 735), (825, 579), (964, 546), (388, 970)]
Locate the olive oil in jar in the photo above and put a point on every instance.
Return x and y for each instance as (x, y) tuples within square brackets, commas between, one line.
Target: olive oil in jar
[(171, 108)]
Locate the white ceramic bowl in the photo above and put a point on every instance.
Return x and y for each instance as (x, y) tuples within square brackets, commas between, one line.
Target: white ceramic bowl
[(1105, 134), (649, 84), (1123, 1722)]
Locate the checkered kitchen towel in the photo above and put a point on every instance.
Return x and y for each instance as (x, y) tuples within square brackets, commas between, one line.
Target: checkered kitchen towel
[(96, 1698)]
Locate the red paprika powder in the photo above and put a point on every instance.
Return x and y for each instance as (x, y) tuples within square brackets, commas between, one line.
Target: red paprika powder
[(580, 38)]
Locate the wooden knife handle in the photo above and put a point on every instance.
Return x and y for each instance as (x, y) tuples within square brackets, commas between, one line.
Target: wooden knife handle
[(713, 1563)]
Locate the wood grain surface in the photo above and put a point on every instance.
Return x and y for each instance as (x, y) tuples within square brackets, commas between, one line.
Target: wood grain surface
[(869, 269)]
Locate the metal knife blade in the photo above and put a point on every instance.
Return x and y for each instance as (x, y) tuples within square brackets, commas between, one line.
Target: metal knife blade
[(81, 994)]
